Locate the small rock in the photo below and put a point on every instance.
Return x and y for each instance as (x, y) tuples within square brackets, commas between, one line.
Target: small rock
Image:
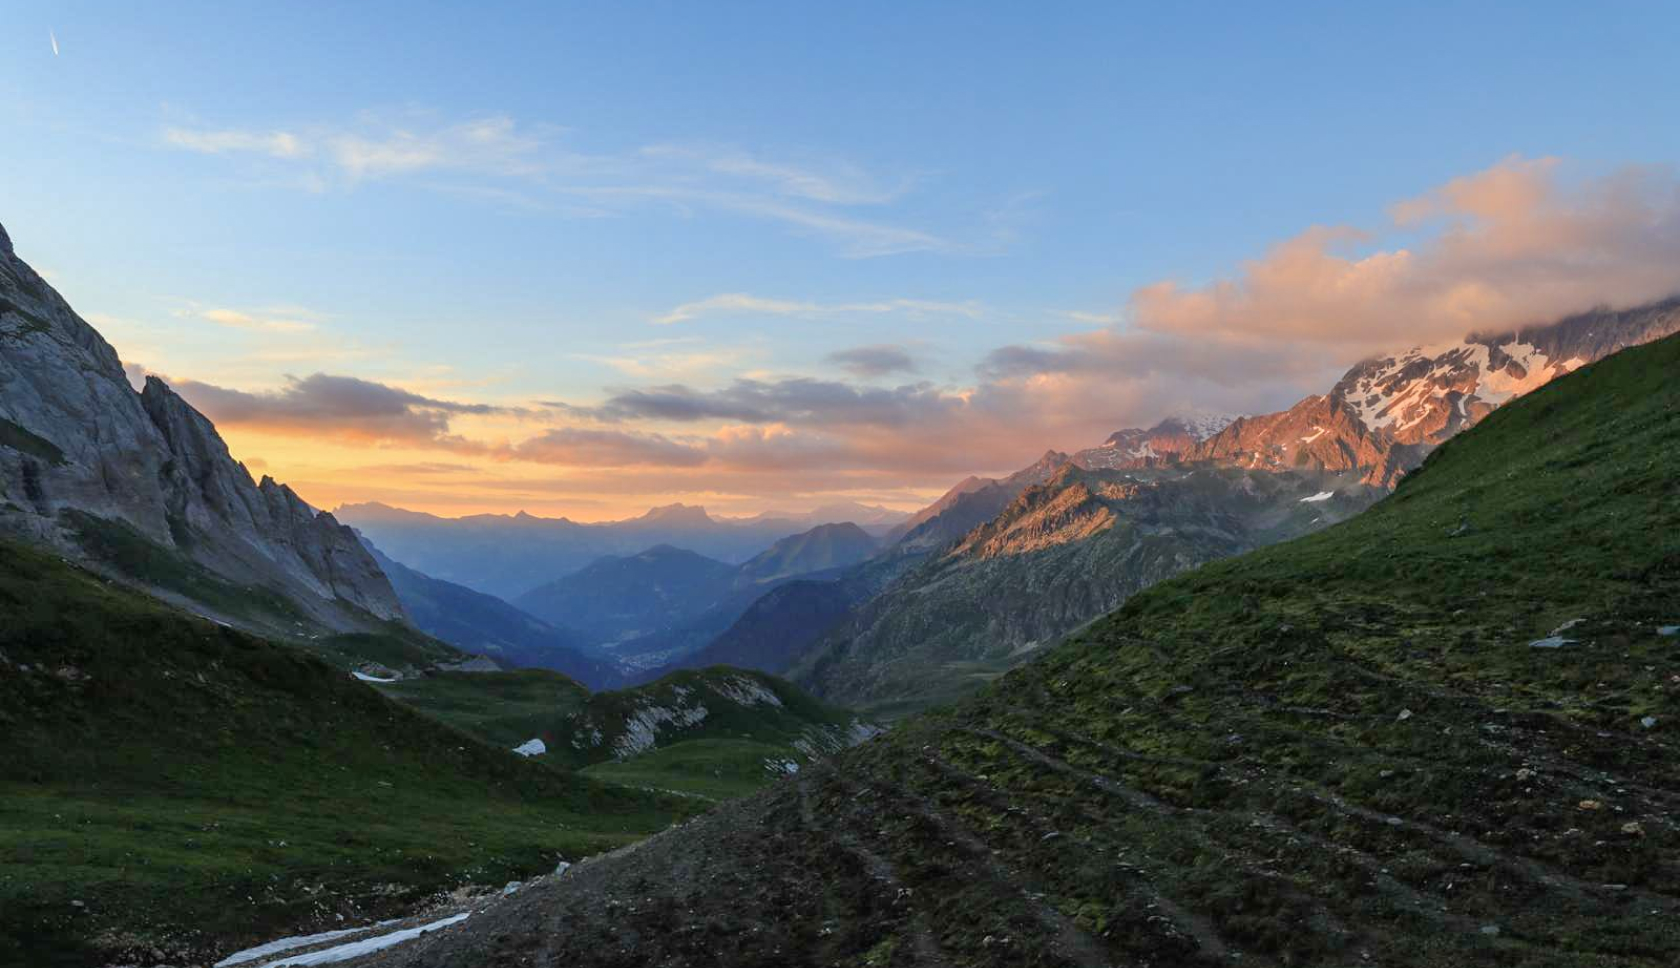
[(1633, 829), (1525, 774), (1648, 722), (77, 904), (1385, 774), (1590, 805), (1405, 714), (1491, 930), (1052, 835), (1394, 821), (562, 868), (512, 888), (1669, 630)]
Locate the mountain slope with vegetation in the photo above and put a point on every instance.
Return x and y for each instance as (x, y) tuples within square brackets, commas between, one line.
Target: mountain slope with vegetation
[(715, 732), (1059, 555), (1438, 734), (170, 787)]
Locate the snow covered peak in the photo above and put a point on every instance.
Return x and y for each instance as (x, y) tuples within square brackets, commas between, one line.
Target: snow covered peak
[(1198, 424)]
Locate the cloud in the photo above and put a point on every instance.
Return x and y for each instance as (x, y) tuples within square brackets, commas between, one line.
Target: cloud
[(342, 408), (275, 144), (740, 303), (1516, 244), (379, 147), (838, 182), (496, 158), (867, 362), (577, 447), (236, 319), (801, 401)]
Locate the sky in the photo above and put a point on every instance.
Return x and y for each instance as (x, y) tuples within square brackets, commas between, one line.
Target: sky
[(582, 259)]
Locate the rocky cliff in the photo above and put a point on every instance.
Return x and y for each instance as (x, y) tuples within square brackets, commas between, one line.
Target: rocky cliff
[(81, 453)]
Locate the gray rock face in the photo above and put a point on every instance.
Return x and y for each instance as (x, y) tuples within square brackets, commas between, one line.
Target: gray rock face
[(74, 436)]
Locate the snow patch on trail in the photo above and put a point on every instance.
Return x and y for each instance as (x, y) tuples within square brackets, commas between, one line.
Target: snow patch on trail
[(356, 949), (288, 944)]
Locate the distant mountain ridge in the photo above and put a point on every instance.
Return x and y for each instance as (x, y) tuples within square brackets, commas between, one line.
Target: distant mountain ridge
[(510, 555), (92, 468), (485, 625), (647, 608)]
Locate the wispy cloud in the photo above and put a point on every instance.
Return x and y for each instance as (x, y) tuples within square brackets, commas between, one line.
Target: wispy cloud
[(867, 362), (821, 180), (275, 144), (496, 158), (740, 303), (236, 319)]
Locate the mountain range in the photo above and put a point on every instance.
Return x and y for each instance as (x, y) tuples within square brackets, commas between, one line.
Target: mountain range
[(510, 555)]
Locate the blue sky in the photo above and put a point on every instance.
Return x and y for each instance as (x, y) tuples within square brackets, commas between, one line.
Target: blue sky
[(509, 206)]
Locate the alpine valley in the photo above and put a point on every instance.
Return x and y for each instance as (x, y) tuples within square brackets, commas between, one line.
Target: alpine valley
[(1262, 688)]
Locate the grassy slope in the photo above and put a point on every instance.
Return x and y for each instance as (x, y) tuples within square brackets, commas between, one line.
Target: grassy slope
[(502, 708), (195, 786), (116, 545), (724, 755), (1337, 751)]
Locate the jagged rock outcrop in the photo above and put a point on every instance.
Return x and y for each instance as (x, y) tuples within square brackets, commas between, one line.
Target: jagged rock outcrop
[(75, 438), (1165, 443)]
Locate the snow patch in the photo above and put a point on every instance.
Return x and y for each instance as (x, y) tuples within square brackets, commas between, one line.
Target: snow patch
[(531, 747), (288, 944), (367, 678), (356, 949), (1317, 433), (1320, 496)]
